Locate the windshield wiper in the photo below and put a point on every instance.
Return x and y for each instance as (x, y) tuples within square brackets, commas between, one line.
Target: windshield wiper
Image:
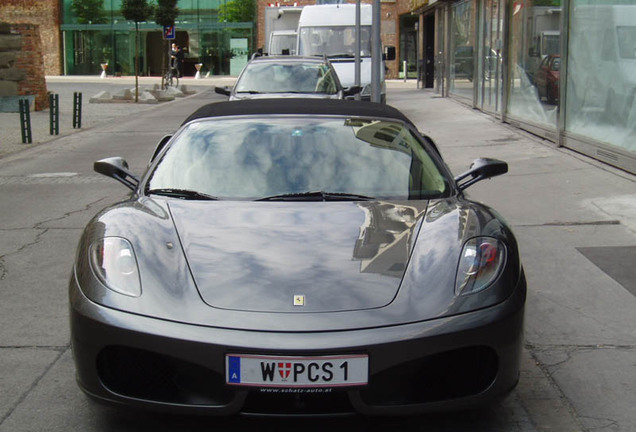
[(341, 55), (250, 91), (317, 196), (182, 194)]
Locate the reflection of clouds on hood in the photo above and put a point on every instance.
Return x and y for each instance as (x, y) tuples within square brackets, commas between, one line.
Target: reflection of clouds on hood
[(256, 256)]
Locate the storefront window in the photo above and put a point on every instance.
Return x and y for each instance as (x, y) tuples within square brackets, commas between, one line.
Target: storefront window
[(490, 64), (104, 36), (535, 62), (462, 45), (602, 73)]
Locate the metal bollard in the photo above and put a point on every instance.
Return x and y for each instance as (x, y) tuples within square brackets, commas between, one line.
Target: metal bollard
[(25, 121), (54, 114), (404, 67), (77, 110)]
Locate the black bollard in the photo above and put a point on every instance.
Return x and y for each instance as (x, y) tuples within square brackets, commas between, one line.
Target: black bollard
[(25, 121), (54, 113), (77, 110)]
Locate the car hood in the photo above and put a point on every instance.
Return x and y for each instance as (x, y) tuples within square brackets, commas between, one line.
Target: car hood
[(297, 257)]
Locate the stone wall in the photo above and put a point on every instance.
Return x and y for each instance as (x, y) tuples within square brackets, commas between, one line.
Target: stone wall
[(46, 15), (21, 67)]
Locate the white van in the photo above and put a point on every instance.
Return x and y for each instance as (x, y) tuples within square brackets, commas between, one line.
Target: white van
[(330, 30)]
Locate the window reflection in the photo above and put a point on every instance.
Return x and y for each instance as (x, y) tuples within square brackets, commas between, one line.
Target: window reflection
[(534, 62), (247, 159), (602, 73)]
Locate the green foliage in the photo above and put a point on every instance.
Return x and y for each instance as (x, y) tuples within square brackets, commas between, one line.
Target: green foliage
[(166, 12), (237, 11), (89, 11), (136, 10), (547, 3)]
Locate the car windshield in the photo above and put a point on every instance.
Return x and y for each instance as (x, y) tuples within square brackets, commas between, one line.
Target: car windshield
[(263, 158), (334, 41), (287, 78)]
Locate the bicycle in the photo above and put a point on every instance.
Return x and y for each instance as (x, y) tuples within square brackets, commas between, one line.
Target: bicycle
[(171, 78)]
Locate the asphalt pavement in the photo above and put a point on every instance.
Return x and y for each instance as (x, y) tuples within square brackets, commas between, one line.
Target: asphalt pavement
[(575, 219)]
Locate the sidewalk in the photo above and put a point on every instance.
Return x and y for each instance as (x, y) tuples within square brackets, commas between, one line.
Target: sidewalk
[(575, 219), (92, 113)]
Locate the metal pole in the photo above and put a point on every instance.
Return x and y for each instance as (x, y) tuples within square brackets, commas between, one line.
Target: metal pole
[(357, 78), (376, 53), (25, 121), (77, 110), (54, 114)]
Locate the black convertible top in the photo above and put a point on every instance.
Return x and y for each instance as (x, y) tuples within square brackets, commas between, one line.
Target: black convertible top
[(298, 106)]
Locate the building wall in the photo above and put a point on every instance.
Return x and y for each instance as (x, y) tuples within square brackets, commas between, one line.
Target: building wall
[(46, 15), (21, 67)]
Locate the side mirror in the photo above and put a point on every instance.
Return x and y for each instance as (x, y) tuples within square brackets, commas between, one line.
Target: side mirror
[(350, 91), (117, 168), (389, 53), (225, 91), (481, 169)]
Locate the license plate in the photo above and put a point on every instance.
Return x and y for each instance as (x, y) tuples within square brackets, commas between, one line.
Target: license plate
[(300, 372)]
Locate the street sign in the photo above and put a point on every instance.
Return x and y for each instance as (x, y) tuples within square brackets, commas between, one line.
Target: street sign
[(168, 32)]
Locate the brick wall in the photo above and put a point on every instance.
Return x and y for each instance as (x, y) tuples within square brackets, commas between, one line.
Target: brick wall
[(46, 15), (21, 64)]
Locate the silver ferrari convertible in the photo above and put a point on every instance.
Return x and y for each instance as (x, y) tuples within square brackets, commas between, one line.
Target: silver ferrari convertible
[(311, 257)]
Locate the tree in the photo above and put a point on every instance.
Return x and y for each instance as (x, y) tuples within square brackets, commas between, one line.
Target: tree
[(137, 11), (166, 13), (89, 11), (237, 11)]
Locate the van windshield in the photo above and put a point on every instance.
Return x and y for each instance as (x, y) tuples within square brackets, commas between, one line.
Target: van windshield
[(334, 41)]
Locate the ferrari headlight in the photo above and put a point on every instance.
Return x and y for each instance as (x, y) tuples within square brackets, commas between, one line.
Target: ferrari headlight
[(479, 265), (114, 263)]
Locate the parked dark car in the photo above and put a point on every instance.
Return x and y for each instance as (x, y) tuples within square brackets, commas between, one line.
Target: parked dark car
[(301, 258), (547, 78), (287, 76)]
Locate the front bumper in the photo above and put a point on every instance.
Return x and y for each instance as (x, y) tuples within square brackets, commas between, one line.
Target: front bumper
[(449, 363)]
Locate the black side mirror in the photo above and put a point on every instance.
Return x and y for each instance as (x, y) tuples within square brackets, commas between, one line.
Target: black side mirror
[(481, 169), (389, 53), (225, 91), (117, 168), (350, 91)]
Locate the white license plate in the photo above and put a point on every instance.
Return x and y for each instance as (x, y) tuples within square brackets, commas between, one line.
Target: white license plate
[(301, 372)]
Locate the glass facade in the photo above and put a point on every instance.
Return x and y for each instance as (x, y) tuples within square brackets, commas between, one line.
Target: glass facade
[(462, 49), (601, 84), (534, 63), (107, 38), (562, 69)]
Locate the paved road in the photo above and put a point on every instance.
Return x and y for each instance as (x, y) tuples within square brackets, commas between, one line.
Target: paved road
[(578, 371)]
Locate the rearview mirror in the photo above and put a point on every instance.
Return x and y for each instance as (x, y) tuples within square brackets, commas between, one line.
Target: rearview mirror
[(117, 168), (223, 90), (350, 91), (481, 169)]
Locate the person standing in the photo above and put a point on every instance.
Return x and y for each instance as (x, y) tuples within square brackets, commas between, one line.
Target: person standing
[(178, 59)]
